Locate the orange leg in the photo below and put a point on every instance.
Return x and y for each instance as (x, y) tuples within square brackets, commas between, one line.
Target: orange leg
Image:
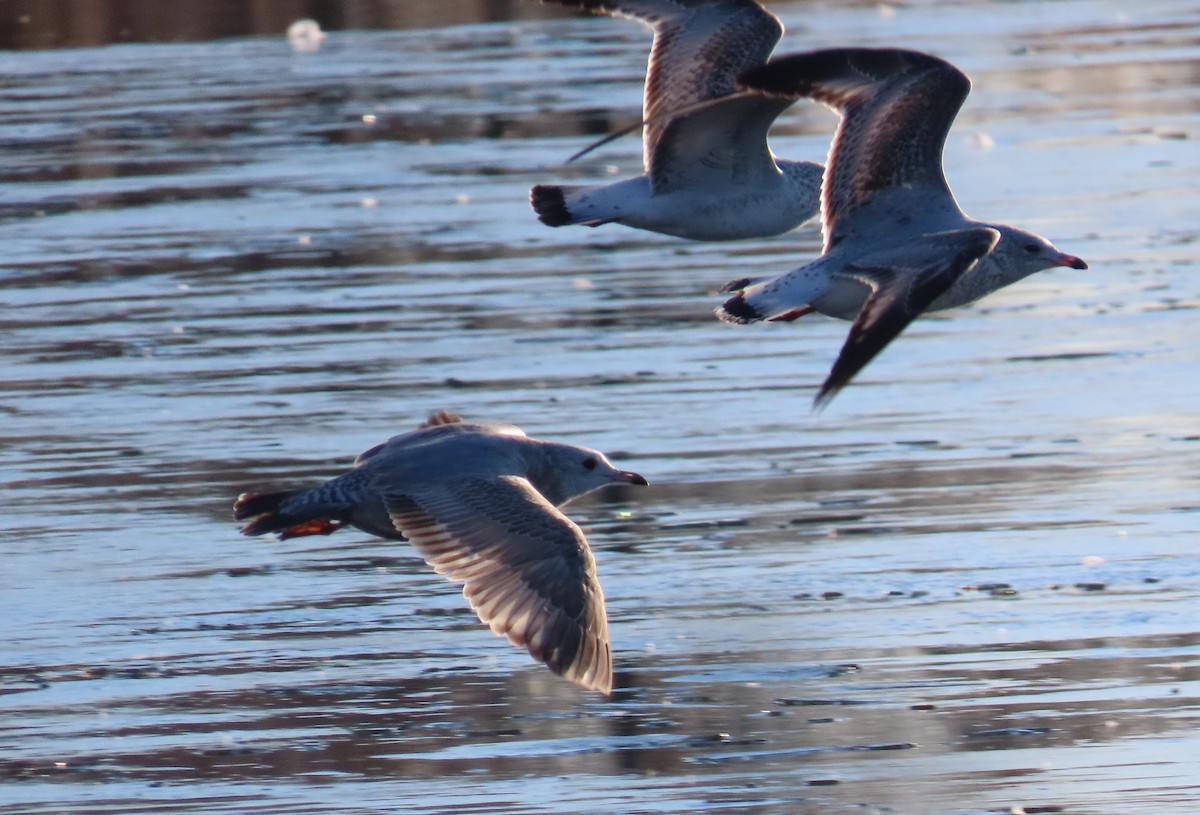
[(794, 314), (320, 526)]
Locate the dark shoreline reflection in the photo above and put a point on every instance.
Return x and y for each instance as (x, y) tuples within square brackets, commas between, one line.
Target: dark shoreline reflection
[(40, 24), (969, 586)]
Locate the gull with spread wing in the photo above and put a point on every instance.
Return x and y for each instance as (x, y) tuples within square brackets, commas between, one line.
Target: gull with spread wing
[(709, 174), (480, 503), (896, 243)]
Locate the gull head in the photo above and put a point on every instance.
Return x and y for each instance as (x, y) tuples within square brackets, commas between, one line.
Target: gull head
[(561, 472), (1020, 253)]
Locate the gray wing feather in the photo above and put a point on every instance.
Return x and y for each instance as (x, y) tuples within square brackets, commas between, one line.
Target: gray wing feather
[(438, 426), (897, 107), (726, 141), (699, 49), (903, 284), (527, 568)]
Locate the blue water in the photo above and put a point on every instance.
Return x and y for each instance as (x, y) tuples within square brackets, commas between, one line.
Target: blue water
[(968, 585)]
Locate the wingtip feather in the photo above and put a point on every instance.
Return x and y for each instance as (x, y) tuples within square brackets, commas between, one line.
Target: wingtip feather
[(801, 74), (829, 389)]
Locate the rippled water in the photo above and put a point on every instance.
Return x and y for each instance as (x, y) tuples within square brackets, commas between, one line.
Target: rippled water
[(969, 585)]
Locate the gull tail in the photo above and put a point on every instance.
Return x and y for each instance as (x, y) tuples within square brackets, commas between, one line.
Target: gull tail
[(276, 512), (564, 206), (736, 309), (739, 311), (550, 205), (778, 299)]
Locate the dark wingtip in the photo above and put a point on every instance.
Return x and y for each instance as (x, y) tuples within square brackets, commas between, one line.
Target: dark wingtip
[(550, 205), (825, 395), (735, 285), (737, 310), (799, 74), (791, 75)]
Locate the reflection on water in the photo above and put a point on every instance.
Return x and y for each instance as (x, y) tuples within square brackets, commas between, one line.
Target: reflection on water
[(967, 586), (72, 23)]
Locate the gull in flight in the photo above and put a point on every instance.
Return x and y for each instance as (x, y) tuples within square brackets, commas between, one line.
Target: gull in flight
[(480, 503), (709, 174), (895, 242)]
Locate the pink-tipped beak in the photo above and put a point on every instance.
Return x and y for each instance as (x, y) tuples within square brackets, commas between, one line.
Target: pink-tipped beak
[(1072, 261), (633, 478)]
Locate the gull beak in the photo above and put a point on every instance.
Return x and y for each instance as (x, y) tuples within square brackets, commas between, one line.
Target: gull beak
[(631, 478), (1072, 261)]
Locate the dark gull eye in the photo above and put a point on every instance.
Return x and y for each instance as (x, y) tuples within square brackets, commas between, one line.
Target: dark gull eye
[(589, 463), (1031, 248)]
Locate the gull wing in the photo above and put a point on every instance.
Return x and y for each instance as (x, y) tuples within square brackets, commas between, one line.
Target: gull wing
[(903, 281), (700, 47), (725, 141), (438, 426), (527, 568), (897, 107)]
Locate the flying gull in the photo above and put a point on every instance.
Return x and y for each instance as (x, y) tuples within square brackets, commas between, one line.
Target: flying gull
[(480, 503), (709, 174), (895, 242)]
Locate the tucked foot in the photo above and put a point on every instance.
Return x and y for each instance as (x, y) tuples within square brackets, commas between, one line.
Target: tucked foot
[(265, 513), (789, 316), (317, 526)]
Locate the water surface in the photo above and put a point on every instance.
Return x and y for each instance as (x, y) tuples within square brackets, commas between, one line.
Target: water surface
[(968, 585)]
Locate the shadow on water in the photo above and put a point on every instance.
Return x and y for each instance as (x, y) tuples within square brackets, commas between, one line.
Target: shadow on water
[(967, 586)]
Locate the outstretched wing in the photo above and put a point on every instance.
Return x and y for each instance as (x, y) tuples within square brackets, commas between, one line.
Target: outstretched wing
[(896, 107), (700, 47), (438, 426), (725, 141), (903, 284), (528, 571)]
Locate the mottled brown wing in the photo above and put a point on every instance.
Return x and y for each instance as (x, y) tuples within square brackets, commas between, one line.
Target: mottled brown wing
[(897, 107), (527, 568), (700, 47), (725, 142), (904, 281)]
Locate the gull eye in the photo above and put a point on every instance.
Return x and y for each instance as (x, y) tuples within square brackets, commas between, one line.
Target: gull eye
[(1031, 248), (589, 463)]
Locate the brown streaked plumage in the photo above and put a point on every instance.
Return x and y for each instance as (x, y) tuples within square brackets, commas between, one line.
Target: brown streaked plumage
[(897, 108), (896, 243), (709, 172)]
